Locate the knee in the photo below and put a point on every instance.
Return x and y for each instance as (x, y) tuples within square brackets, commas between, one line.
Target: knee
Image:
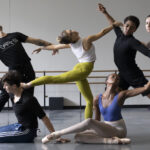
[(89, 104), (88, 121), (77, 137)]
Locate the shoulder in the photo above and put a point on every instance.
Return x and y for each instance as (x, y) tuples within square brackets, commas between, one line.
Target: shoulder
[(15, 33), (148, 44), (97, 97), (117, 29), (122, 97), (86, 43), (134, 41), (27, 97), (19, 34)]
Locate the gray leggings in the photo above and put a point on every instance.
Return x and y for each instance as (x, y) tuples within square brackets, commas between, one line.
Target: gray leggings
[(93, 131)]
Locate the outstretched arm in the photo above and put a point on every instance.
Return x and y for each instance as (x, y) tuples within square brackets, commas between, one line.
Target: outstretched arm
[(51, 129), (38, 42), (48, 124), (52, 47), (137, 45), (134, 92), (88, 41)]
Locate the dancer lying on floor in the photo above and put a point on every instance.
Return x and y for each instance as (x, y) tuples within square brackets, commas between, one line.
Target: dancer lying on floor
[(113, 129)]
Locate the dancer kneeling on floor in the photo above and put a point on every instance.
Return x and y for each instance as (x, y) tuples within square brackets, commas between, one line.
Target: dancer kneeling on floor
[(109, 104), (27, 109)]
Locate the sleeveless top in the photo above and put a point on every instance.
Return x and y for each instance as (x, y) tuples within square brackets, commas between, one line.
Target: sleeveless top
[(111, 112), (81, 54)]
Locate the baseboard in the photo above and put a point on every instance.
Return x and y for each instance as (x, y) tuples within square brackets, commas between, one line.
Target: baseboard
[(136, 106), (83, 107)]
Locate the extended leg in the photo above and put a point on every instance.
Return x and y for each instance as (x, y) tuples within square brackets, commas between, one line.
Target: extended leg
[(102, 129), (85, 90)]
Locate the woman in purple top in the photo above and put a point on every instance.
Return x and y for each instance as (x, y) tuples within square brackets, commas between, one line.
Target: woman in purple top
[(113, 129)]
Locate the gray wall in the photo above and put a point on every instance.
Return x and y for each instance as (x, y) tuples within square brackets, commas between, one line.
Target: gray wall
[(47, 18)]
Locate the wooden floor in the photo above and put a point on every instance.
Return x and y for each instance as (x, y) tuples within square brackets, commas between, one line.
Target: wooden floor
[(137, 121)]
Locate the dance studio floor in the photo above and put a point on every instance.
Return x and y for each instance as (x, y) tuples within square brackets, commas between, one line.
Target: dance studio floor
[(137, 121)]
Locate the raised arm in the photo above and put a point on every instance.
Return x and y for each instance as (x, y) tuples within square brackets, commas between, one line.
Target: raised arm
[(107, 15), (123, 95), (88, 40), (96, 108), (38, 42)]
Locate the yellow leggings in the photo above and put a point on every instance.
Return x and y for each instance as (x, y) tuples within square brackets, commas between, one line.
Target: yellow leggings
[(78, 74)]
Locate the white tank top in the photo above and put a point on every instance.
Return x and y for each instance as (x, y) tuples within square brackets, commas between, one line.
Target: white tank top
[(81, 54)]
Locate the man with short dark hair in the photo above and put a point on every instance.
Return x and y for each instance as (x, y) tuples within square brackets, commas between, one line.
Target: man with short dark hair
[(125, 49), (27, 110)]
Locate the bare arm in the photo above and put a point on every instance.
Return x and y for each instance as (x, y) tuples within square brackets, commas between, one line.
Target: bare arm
[(134, 92), (96, 108), (55, 47), (107, 15), (88, 41), (48, 124), (144, 43), (38, 42), (51, 129), (52, 47)]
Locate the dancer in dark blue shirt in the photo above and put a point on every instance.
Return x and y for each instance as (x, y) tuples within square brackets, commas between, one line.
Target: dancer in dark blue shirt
[(125, 49)]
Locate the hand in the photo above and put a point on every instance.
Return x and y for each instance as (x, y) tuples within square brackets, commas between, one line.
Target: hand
[(116, 23), (102, 8), (55, 52), (62, 140), (147, 86), (37, 51), (25, 85)]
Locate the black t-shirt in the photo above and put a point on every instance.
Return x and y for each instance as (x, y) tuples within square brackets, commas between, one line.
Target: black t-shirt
[(125, 49), (12, 53), (27, 109)]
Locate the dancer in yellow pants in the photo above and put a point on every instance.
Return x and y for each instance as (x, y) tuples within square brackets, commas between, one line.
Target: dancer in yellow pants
[(84, 50), (78, 74)]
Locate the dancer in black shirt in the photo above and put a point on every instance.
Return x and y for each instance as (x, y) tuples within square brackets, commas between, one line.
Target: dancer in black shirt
[(27, 109), (125, 49), (14, 56)]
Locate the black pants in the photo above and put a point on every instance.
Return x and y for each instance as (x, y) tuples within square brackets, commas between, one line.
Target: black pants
[(135, 80), (27, 74)]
